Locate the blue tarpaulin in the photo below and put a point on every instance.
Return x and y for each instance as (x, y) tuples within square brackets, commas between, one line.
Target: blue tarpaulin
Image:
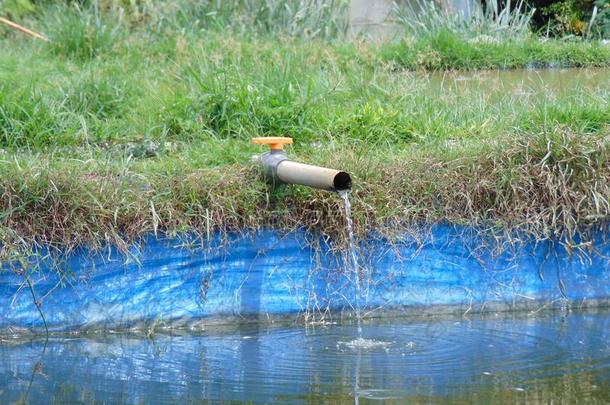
[(267, 273)]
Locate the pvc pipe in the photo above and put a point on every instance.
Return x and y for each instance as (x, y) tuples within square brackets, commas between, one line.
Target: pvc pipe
[(291, 172)]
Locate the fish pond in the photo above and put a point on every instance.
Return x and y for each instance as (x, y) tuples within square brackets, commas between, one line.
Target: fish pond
[(545, 357)]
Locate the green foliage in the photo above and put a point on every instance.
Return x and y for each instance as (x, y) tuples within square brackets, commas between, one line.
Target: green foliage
[(326, 19), (15, 9), (588, 18), (101, 97), (508, 21), (567, 17), (82, 33), (28, 118), (445, 50), (600, 19), (294, 18)]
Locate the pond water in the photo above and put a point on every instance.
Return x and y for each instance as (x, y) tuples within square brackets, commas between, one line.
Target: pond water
[(547, 357), (523, 82)]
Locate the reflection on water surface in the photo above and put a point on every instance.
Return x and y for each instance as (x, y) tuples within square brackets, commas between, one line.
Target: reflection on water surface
[(544, 358)]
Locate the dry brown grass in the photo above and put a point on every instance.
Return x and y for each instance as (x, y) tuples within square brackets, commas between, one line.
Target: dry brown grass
[(552, 186)]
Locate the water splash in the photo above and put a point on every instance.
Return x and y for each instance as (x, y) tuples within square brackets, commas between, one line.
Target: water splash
[(352, 258), (364, 344)]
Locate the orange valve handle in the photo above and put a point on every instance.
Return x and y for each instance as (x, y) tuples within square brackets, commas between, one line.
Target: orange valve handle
[(274, 142)]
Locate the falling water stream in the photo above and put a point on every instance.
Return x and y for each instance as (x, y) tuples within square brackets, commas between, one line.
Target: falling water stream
[(352, 261), (352, 258), (358, 274)]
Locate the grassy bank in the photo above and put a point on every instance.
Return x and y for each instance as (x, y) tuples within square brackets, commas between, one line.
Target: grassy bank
[(125, 124)]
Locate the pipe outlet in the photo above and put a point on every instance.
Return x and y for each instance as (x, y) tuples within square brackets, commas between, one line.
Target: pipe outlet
[(277, 168)]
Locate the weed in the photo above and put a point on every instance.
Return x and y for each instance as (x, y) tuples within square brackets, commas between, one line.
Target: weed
[(506, 21), (82, 34)]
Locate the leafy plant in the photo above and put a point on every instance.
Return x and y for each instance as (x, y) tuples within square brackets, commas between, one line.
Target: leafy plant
[(583, 18), (566, 18), (599, 25)]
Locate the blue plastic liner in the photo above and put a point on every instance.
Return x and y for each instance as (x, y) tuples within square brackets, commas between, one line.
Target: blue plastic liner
[(269, 274)]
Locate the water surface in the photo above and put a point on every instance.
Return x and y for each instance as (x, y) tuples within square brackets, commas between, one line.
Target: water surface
[(523, 82), (543, 358)]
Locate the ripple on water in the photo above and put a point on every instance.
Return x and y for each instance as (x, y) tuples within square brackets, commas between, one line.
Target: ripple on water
[(382, 394), (395, 360)]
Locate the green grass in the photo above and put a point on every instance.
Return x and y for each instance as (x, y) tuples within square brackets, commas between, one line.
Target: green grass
[(444, 50), (140, 122)]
